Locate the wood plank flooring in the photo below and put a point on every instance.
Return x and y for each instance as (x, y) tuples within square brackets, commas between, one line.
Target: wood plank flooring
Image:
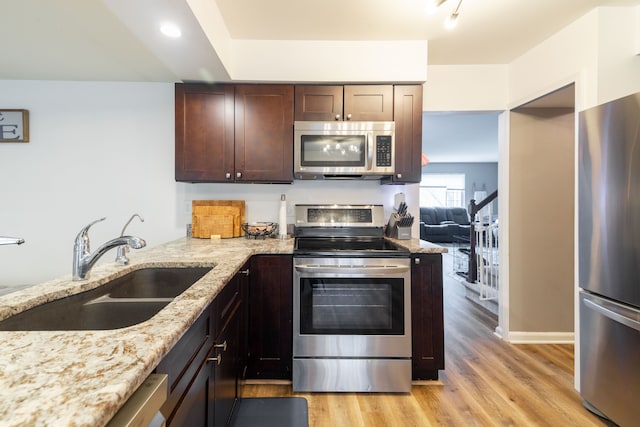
[(486, 382)]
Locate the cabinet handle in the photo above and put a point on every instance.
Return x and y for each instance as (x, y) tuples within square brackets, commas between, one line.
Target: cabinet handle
[(238, 174), (399, 175), (223, 346), (337, 116), (245, 272), (416, 260), (217, 359), (227, 175), (348, 116)]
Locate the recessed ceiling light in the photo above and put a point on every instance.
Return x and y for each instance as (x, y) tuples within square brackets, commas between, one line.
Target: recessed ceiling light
[(170, 30)]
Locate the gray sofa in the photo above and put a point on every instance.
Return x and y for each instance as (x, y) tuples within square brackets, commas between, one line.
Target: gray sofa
[(440, 225)]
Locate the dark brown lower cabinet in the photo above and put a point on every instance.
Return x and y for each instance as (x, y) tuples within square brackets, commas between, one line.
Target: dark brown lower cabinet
[(193, 410), (190, 375), (427, 322), (226, 355), (204, 367), (270, 317)]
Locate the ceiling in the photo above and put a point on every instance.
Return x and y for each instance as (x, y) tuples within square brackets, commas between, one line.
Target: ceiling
[(117, 40)]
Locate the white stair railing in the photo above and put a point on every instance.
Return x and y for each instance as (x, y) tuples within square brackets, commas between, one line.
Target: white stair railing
[(487, 257)]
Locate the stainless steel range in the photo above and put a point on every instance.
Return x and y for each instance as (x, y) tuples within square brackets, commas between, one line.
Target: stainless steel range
[(352, 302)]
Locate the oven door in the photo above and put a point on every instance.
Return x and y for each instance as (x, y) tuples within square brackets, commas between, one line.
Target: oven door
[(352, 307)]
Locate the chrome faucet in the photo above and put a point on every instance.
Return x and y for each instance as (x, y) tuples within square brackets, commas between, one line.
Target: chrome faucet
[(83, 259), (121, 257), (11, 240)]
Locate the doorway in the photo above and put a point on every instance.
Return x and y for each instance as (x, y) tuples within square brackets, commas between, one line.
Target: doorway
[(463, 144), (539, 285)]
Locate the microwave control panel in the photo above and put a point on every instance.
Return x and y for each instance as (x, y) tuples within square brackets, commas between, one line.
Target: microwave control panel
[(383, 150)]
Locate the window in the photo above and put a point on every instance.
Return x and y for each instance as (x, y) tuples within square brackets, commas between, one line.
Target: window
[(444, 190)]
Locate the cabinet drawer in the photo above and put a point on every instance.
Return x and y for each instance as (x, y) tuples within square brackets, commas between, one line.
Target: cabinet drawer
[(182, 362), (225, 305)]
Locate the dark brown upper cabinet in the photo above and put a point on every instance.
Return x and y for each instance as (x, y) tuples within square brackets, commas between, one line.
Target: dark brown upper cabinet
[(234, 133), (318, 103), (350, 102), (264, 133), (407, 108), (204, 132)]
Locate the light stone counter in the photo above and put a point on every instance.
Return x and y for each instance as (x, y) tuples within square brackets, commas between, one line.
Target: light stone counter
[(82, 378), (420, 246)]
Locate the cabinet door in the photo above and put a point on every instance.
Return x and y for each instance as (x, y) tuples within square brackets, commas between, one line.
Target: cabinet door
[(368, 103), (270, 317), (243, 333), (264, 133), (318, 103), (184, 362), (194, 409), (407, 112), (427, 324), (204, 132), (225, 353), (190, 376)]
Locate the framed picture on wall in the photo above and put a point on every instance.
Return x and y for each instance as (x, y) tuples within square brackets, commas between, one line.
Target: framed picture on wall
[(14, 125)]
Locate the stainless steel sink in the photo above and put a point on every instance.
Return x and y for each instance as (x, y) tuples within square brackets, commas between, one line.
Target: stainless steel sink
[(123, 302)]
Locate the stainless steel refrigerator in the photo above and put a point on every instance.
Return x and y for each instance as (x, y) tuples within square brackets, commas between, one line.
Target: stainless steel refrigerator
[(609, 259)]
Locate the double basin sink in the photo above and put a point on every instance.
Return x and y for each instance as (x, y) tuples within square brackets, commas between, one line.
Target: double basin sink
[(124, 301)]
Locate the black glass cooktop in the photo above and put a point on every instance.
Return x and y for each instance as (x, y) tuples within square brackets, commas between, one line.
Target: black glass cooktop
[(347, 246)]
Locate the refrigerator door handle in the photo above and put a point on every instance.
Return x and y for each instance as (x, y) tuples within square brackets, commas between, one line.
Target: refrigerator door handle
[(617, 317)]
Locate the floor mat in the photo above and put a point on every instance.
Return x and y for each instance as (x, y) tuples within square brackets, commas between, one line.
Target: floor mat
[(271, 412)]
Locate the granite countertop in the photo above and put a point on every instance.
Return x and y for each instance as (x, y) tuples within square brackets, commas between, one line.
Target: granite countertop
[(82, 378)]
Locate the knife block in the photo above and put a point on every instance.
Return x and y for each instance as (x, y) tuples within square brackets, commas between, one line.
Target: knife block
[(403, 233), (397, 232)]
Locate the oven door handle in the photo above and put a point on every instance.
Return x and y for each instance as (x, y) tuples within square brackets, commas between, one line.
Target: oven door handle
[(386, 269)]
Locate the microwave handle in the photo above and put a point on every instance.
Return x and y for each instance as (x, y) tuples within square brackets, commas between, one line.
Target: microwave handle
[(369, 151)]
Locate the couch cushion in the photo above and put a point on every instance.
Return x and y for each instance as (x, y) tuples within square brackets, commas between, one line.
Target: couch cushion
[(442, 215), (459, 215), (428, 216)]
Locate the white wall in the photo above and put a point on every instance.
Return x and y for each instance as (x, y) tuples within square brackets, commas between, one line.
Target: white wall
[(95, 150), (330, 61), (597, 52), (466, 88), (619, 73), (107, 149)]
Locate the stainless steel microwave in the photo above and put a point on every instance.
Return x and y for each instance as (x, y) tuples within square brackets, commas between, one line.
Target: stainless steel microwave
[(343, 150)]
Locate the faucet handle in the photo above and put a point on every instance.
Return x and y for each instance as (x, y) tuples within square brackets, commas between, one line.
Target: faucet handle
[(83, 233)]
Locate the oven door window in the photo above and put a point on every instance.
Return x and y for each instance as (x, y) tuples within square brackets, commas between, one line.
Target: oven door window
[(332, 150), (352, 306)]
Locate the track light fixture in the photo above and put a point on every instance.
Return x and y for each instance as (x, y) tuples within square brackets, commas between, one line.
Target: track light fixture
[(452, 19), (433, 5)]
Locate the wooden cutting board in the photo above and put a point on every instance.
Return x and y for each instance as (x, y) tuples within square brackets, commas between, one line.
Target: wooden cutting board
[(217, 217)]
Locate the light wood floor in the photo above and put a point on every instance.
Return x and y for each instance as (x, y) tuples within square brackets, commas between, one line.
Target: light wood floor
[(486, 382)]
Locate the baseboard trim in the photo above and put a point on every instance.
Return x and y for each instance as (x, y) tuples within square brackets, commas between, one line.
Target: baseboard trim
[(541, 337)]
